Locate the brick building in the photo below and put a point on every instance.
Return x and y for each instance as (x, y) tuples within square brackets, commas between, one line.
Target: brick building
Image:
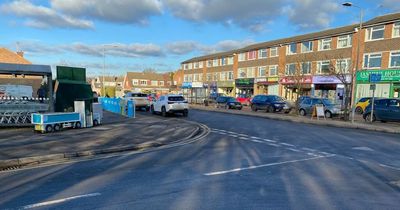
[(317, 64), (148, 82)]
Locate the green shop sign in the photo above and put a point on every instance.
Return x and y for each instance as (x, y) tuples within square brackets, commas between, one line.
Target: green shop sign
[(244, 82), (387, 75)]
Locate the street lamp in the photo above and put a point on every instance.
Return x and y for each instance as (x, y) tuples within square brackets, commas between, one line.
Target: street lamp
[(104, 64), (350, 4)]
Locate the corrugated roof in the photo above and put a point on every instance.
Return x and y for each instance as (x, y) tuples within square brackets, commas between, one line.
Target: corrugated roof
[(7, 56)]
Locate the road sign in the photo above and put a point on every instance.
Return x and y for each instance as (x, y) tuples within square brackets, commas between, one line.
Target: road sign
[(374, 78), (372, 87)]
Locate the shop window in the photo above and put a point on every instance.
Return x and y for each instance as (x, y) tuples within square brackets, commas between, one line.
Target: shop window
[(290, 69), (291, 49), (323, 67), (324, 44), (396, 29), (262, 53), (344, 41), (373, 60), (394, 59), (343, 66), (375, 33), (273, 70), (262, 71), (230, 75), (306, 68), (252, 55), (242, 56), (273, 51), (306, 47), (242, 73)]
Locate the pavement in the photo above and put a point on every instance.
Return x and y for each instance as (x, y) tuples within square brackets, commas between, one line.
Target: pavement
[(22, 146), (334, 122), (245, 162)]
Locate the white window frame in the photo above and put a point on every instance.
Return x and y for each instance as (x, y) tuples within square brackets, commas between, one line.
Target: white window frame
[(190, 65), (223, 76), (230, 61), (242, 73), (196, 65), (230, 75), (242, 57), (288, 49), (154, 83), (260, 69), (274, 49), (209, 77), (215, 62), (209, 63), (348, 39), (135, 82), (307, 46), (309, 70), (195, 77), (274, 68), (370, 55), (323, 63), (339, 69), (252, 55), (215, 76), (185, 66), (262, 53), (324, 42), (224, 61), (390, 59), (161, 83), (143, 82), (396, 26), (200, 64), (251, 72), (287, 69), (371, 30)]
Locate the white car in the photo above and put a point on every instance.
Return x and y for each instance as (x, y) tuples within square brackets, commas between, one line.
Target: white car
[(170, 104), (141, 100)]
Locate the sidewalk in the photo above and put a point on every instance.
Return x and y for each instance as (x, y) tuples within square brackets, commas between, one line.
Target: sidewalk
[(376, 126), (116, 134)]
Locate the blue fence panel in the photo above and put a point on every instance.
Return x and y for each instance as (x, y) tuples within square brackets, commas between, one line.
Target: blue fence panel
[(118, 106)]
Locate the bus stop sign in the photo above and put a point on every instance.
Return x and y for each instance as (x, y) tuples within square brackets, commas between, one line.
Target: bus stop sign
[(374, 78)]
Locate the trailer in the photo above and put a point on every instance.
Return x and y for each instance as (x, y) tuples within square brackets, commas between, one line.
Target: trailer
[(49, 122)]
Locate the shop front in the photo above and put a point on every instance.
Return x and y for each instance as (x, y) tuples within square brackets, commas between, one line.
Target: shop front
[(330, 87), (244, 87), (387, 87), (267, 85), (186, 90), (296, 86), (226, 87)]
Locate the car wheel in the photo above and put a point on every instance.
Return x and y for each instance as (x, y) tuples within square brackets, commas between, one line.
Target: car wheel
[(49, 128), (78, 125), (359, 110), (302, 112), (328, 114), (56, 127), (163, 112), (368, 118), (95, 123), (185, 113), (271, 109), (253, 108)]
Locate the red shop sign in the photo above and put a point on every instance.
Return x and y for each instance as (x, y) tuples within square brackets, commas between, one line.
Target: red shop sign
[(294, 80)]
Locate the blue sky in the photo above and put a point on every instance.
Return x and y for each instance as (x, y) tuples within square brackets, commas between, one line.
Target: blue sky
[(159, 34)]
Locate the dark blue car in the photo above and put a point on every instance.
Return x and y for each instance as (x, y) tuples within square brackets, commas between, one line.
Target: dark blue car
[(384, 110), (270, 103)]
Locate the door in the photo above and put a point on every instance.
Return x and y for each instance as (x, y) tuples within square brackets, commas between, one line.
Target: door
[(396, 90)]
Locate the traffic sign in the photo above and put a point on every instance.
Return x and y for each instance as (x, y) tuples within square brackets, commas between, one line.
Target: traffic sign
[(372, 87), (374, 78)]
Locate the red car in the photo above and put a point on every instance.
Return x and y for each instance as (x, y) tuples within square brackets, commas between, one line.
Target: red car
[(245, 100)]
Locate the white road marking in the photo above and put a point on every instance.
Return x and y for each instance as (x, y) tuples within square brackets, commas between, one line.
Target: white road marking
[(269, 140), (47, 203), (274, 145), (257, 141), (254, 137), (391, 167), (363, 149), (243, 138), (286, 144), (231, 132), (234, 136), (261, 166), (308, 149), (294, 150), (241, 134)]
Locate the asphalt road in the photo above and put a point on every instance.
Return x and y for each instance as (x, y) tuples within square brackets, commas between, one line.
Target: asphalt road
[(244, 163)]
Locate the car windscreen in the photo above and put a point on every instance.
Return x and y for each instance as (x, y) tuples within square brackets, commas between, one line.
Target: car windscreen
[(176, 98), (138, 95), (327, 102)]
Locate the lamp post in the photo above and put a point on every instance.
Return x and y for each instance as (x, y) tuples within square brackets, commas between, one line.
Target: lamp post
[(104, 64), (350, 4)]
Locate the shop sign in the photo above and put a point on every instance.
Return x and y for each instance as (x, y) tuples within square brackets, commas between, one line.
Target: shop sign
[(269, 81), (386, 75), (329, 79), (293, 80), (197, 84), (272, 79), (244, 82), (210, 84), (225, 84), (260, 79), (187, 85)]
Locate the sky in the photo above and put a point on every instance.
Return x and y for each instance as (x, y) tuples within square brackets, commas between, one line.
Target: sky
[(135, 35)]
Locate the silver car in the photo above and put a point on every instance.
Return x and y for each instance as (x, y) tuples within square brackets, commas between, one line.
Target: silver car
[(330, 108)]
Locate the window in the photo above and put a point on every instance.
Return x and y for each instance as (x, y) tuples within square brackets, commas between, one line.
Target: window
[(396, 29), (201, 64), (344, 41), (215, 76), (324, 44), (209, 76), (242, 56), (200, 77), (394, 59), (195, 77), (209, 63), (154, 83), (306, 68), (190, 65), (290, 69), (251, 72), (215, 62), (143, 82), (306, 46), (223, 61), (375, 33), (242, 73), (230, 75), (161, 83), (291, 49), (262, 70), (196, 65), (343, 66), (373, 60), (323, 67), (252, 55), (273, 70), (185, 66), (274, 51), (135, 82), (185, 78), (262, 53), (230, 61), (223, 76)]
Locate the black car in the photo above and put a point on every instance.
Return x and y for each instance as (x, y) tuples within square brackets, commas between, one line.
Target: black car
[(228, 102), (211, 99), (387, 109), (270, 103)]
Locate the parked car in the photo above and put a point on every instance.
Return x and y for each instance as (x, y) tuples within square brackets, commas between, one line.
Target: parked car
[(141, 100), (228, 102), (289, 105), (300, 99), (244, 99), (331, 109), (362, 104), (170, 104), (211, 99), (270, 103), (387, 109)]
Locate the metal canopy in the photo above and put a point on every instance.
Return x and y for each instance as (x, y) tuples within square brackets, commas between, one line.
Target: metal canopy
[(26, 69)]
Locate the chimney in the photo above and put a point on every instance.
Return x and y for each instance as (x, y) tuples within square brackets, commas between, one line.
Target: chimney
[(20, 53)]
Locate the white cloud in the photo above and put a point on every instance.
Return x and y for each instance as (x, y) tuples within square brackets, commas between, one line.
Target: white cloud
[(249, 14), (392, 5), (43, 17), (311, 14), (119, 11), (186, 47)]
